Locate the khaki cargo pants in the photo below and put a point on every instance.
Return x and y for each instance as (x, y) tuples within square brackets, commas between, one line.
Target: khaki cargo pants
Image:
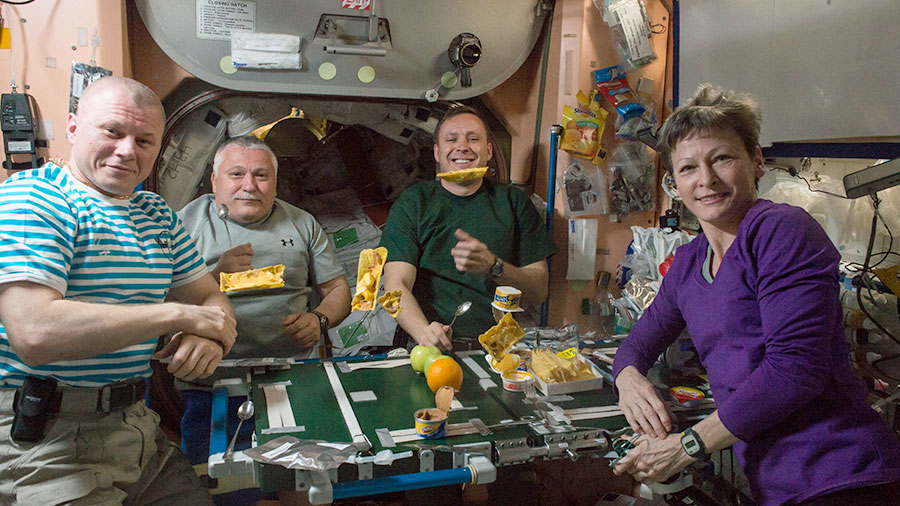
[(116, 458)]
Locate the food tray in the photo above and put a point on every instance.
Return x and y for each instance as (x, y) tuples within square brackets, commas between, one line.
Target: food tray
[(568, 387)]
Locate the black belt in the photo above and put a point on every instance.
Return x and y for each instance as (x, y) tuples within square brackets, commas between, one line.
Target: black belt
[(112, 397), (117, 396)]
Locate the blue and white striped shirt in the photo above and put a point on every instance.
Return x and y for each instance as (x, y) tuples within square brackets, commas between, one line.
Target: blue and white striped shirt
[(59, 233)]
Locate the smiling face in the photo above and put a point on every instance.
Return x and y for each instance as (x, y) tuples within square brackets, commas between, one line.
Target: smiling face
[(114, 140), (245, 183), (716, 177), (462, 144)]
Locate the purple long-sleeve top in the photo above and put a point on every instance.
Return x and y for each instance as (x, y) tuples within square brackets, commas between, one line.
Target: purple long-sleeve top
[(769, 331)]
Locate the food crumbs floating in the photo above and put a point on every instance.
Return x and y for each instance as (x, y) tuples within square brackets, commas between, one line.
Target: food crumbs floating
[(267, 277)]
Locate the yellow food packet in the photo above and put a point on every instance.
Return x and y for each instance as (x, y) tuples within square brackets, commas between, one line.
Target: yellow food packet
[(267, 277), (371, 262), (507, 363), (390, 301), (464, 175), (501, 337), (559, 367)]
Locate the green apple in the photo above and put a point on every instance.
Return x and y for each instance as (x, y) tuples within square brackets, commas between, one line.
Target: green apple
[(420, 354), (430, 360)]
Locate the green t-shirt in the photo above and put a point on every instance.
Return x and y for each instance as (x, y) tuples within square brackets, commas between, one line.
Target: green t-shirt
[(419, 231)]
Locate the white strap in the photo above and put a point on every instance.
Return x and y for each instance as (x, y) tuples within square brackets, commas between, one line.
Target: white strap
[(344, 403)]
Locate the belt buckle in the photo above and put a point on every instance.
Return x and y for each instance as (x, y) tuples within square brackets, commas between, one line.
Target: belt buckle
[(106, 396)]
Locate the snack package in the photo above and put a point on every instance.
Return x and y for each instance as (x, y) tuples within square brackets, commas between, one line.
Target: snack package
[(629, 128), (611, 82), (559, 367), (371, 262), (500, 338), (458, 176), (267, 277), (584, 126), (390, 301)]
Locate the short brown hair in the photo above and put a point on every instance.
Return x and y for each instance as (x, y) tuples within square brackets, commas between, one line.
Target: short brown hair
[(711, 108)]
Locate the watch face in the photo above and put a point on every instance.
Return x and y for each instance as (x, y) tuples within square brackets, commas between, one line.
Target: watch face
[(689, 442)]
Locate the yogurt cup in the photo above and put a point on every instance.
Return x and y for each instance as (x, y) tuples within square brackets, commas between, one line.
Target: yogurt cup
[(492, 363), (514, 381), (431, 423)]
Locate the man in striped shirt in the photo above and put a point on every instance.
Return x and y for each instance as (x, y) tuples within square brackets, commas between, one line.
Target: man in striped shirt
[(85, 266)]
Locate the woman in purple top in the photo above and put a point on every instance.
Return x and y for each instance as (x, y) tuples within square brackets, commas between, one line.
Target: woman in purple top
[(758, 294)]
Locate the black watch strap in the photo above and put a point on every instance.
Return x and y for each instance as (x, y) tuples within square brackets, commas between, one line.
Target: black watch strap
[(324, 323), (693, 445), (497, 268)]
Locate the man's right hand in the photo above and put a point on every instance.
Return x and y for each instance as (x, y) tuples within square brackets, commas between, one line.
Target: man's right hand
[(437, 334), (211, 322), (640, 402), (192, 356), (236, 259)]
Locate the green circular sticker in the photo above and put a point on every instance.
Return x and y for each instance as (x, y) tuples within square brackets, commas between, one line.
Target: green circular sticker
[(226, 65), (449, 79), (327, 71), (366, 74)]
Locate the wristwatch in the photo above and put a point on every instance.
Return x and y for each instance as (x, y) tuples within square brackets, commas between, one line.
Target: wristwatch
[(693, 445), (497, 268), (323, 322)]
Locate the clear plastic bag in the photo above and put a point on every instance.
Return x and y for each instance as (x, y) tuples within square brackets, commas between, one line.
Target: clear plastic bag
[(584, 188), (632, 179), (630, 31)]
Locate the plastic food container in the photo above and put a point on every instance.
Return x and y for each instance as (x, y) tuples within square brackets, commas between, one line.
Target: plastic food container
[(493, 363), (686, 396), (431, 423), (514, 381)]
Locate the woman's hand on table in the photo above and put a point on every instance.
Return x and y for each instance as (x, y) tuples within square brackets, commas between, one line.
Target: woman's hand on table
[(654, 459), (640, 402)]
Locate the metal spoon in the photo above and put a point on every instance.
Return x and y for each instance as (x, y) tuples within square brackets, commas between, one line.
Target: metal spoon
[(245, 412), (460, 310), (222, 212)]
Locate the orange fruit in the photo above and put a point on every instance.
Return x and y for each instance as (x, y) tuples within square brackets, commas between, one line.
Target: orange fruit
[(444, 371)]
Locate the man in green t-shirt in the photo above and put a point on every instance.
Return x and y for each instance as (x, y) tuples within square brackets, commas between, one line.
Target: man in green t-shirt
[(449, 241)]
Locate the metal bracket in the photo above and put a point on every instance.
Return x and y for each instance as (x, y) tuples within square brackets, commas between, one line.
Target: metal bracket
[(512, 451), (365, 470), (360, 35), (426, 461), (238, 465), (462, 459), (320, 490)]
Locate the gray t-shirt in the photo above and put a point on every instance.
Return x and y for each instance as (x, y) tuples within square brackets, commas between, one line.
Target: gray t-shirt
[(288, 236)]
